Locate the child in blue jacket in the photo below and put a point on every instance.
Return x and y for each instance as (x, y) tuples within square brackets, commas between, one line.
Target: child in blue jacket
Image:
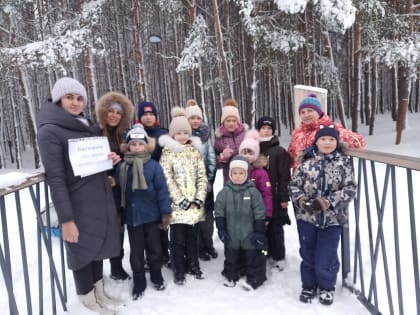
[(146, 207)]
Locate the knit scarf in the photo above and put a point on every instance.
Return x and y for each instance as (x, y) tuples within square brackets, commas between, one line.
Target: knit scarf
[(137, 160)]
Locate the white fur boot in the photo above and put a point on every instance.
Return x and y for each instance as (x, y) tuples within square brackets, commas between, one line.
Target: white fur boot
[(89, 301), (101, 296)]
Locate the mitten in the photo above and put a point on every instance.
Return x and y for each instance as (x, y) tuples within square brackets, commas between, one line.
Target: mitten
[(304, 203), (284, 217), (227, 153), (258, 239), (184, 204), (320, 204), (223, 236)]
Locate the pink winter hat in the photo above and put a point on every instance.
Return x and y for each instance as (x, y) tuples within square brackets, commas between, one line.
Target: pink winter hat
[(230, 109), (251, 142)]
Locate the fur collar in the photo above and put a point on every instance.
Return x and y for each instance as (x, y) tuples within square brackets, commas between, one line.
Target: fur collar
[(175, 146)]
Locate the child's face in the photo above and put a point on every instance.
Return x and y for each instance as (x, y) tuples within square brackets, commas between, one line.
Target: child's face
[(182, 137), (195, 122), (326, 144), (238, 175), (249, 155), (230, 123), (137, 146), (148, 120), (266, 131)]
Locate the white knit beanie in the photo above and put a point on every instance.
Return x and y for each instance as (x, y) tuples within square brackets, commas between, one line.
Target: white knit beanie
[(230, 109), (238, 162), (192, 109), (137, 133), (68, 85)]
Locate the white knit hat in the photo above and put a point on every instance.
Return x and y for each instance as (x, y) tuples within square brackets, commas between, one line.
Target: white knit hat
[(179, 122), (230, 109), (192, 109), (137, 133), (68, 85), (251, 141), (238, 162)]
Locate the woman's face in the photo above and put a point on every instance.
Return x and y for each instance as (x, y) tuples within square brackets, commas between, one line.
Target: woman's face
[(195, 122), (113, 117), (72, 103), (308, 116), (230, 124)]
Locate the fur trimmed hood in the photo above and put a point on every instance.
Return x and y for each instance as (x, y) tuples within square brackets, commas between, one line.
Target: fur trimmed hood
[(105, 101), (260, 162), (175, 146)]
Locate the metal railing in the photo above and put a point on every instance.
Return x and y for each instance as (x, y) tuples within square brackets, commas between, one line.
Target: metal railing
[(15, 262), (379, 249), (382, 235)]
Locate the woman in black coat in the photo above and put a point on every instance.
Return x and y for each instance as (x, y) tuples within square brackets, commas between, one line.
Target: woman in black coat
[(85, 205)]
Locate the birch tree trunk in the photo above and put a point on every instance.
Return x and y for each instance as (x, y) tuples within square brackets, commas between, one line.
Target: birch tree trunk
[(356, 74)]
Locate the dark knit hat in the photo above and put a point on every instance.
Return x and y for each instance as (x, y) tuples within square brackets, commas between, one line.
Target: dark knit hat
[(147, 107), (266, 121), (327, 129), (312, 102), (65, 86)]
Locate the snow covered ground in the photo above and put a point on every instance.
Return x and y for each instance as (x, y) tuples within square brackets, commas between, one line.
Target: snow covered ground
[(278, 295)]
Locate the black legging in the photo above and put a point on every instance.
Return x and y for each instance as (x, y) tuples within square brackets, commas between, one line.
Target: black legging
[(87, 276)]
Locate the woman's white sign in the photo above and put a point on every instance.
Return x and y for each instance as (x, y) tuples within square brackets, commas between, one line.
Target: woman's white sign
[(89, 155)]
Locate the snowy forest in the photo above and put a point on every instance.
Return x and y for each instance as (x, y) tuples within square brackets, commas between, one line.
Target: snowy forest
[(366, 53)]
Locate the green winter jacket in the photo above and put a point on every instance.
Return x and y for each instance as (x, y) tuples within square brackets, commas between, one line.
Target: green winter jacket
[(241, 206)]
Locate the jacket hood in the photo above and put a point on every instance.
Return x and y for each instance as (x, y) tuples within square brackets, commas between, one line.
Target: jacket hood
[(175, 146), (106, 100), (260, 162)]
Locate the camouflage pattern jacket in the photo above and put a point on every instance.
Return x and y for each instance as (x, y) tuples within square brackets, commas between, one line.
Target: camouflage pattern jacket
[(326, 176)]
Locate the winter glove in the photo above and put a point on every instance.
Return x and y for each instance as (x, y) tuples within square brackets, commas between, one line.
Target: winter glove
[(185, 204), (320, 204), (258, 239), (223, 236), (304, 203), (284, 217), (165, 221)]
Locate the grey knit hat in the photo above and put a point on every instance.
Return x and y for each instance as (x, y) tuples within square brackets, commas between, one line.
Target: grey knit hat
[(65, 86)]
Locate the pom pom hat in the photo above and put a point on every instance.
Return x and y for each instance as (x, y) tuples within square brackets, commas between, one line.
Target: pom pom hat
[(192, 109), (65, 86), (327, 129), (137, 133), (179, 122), (251, 141), (230, 109), (266, 121), (312, 102)]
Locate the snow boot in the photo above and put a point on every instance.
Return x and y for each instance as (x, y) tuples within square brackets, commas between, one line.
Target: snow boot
[(307, 294), (102, 298), (139, 285), (117, 270), (326, 297), (89, 301)]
